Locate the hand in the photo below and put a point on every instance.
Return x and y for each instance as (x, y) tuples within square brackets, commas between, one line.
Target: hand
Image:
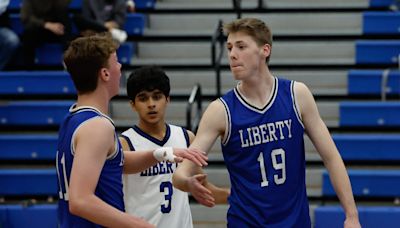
[(55, 27), (110, 25), (197, 187), (196, 156), (352, 222)]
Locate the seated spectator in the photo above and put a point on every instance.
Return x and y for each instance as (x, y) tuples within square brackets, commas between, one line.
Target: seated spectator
[(9, 41), (44, 22), (102, 16)]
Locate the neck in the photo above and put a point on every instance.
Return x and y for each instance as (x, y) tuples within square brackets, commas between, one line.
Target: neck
[(156, 130), (96, 100)]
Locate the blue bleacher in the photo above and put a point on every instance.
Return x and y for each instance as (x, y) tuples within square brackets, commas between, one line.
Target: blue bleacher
[(370, 216), (380, 3), (145, 4), (135, 24), (33, 113), (28, 216), (381, 22), (28, 182), (377, 51), (369, 82), (36, 82), (51, 54), (28, 146), (368, 147), (368, 183), (369, 114)]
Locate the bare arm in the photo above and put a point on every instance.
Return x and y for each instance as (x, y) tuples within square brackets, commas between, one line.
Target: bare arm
[(220, 194), (140, 160), (93, 142), (320, 136), (211, 126), (136, 161)]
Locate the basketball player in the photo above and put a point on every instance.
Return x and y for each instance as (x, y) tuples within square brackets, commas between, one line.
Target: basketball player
[(261, 124), (89, 158), (150, 193)]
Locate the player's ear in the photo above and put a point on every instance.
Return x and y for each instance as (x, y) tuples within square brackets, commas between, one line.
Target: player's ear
[(132, 104), (266, 49)]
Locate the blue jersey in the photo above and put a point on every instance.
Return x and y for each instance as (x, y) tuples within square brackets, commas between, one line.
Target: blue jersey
[(264, 153), (109, 186)]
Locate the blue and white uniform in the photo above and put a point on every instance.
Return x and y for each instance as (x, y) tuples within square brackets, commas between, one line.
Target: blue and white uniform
[(263, 150), (109, 186), (150, 194)]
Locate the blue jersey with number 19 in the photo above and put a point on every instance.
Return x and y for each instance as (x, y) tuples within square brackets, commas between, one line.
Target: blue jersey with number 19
[(109, 186), (263, 149)]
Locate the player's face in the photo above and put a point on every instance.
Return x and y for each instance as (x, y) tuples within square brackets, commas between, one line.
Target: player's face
[(114, 68), (245, 56), (151, 106)]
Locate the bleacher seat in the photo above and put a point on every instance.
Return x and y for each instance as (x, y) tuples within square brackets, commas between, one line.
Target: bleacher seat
[(28, 182), (28, 147), (51, 54), (33, 113), (16, 24), (368, 147), (28, 216), (381, 22), (377, 51), (370, 81), (134, 24), (380, 3), (14, 5), (368, 183), (36, 82), (145, 4), (369, 114), (370, 216)]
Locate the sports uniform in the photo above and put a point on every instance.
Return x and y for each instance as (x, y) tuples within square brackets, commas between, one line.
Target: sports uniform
[(263, 150), (109, 186), (150, 194)]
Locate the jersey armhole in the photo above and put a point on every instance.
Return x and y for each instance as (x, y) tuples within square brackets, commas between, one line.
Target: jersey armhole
[(227, 134), (131, 147), (295, 105)]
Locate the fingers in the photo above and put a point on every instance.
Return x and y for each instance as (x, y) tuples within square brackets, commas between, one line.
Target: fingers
[(198, 158), (200, 192)]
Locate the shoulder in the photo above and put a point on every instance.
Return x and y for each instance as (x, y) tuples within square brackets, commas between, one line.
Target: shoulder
[(304, 97)]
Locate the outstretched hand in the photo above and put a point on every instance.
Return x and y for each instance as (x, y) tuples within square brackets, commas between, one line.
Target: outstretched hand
[(197, 187), (196, 156)]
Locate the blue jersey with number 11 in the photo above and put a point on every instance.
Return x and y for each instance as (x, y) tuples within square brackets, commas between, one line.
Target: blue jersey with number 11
[(109, 186), (263, 149)]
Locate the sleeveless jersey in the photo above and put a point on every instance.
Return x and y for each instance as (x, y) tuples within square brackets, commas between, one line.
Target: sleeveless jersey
[(263, 150), (109, 186), (150, 194)]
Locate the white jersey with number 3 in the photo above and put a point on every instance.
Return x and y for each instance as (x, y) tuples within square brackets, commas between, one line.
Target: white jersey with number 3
[(150, 194)]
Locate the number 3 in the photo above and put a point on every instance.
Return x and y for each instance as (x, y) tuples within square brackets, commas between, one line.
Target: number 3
[(166, 186), (277, 166)]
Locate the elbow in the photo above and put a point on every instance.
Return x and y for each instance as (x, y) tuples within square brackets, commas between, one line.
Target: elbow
[(76, 206)]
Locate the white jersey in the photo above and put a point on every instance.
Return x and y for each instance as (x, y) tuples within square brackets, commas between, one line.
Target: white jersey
[(150, 194)]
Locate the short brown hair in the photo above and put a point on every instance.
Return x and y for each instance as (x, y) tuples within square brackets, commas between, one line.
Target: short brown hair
[(253, 27), (85, 57)]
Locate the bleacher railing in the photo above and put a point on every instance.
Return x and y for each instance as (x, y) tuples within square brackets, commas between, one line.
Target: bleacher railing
[(217, 38), (195, 97)]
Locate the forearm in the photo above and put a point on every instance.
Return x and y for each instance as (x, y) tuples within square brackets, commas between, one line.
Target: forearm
[(183, 173), (137, 161), (341, 183), (220, 194), (94, 209)]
